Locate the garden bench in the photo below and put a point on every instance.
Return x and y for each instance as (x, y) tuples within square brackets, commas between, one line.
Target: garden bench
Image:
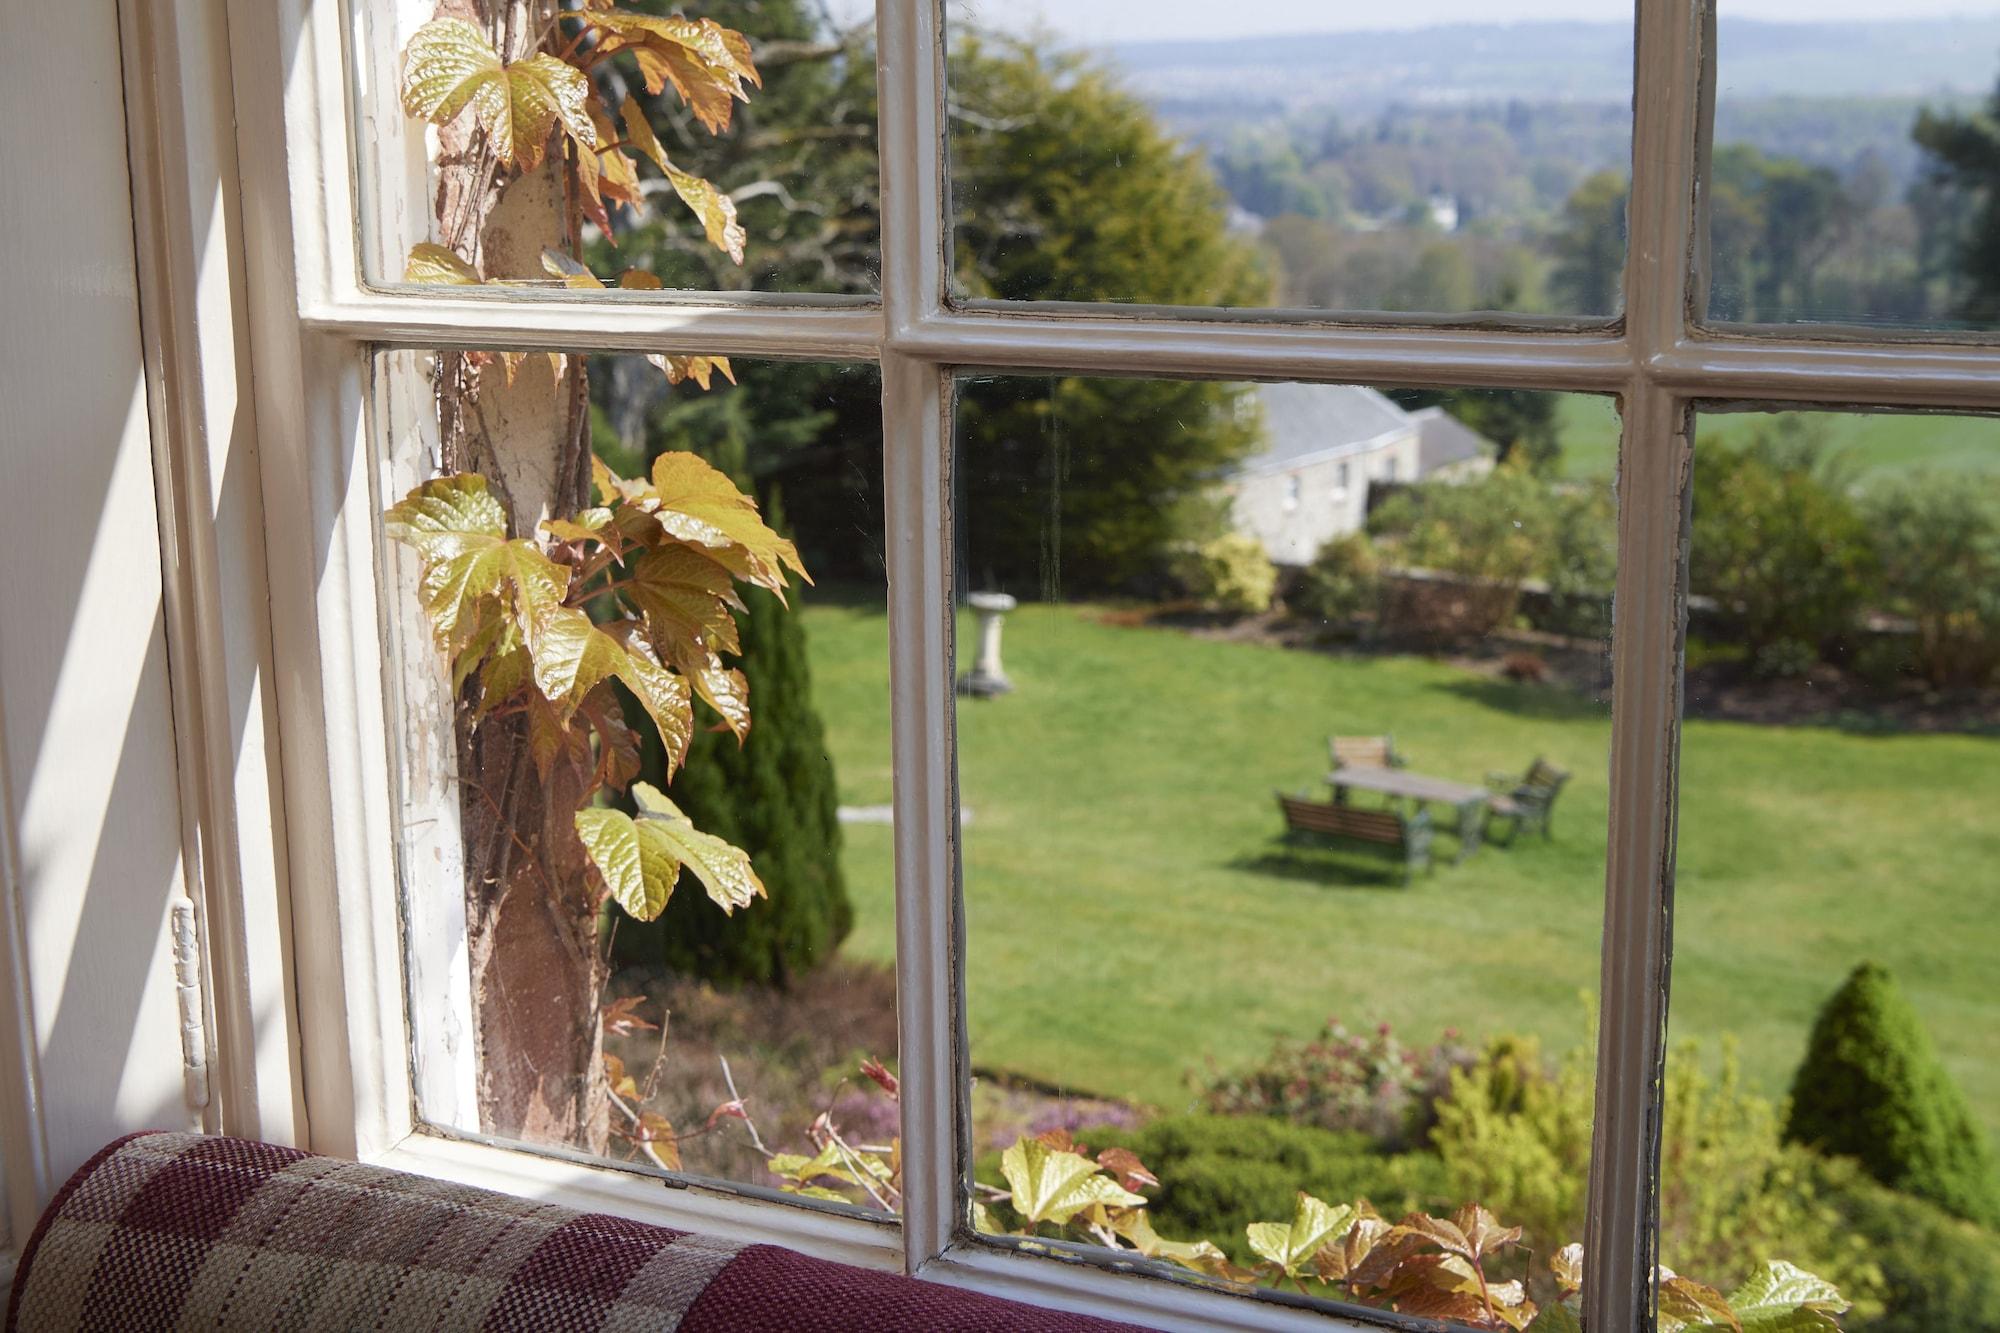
[(1405, 837), (1363, 752), (1526, 802)]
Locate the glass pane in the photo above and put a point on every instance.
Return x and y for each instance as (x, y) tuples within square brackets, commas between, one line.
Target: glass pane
[(1852, 179), (630, 933), (1282, 749), (1452, 158), (1834, 1087), (734, 151)]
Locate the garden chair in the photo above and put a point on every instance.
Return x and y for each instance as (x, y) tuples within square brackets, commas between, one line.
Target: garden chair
[(1363, 752), (1526, 802)]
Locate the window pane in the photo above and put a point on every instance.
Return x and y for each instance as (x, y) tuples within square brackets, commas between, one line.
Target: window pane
[(1181, 598), (1852, 177), (1453, 158), (792, 162), (590, 963), (1834, 1086)]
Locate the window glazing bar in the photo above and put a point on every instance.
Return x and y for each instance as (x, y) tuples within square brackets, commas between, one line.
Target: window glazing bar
[(916, 433), (1649, 612)]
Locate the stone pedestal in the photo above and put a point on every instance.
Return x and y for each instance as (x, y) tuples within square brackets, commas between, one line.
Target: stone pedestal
[(987, 678)]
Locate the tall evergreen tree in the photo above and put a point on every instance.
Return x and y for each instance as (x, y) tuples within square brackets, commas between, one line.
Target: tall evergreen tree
[(1872, 1088)]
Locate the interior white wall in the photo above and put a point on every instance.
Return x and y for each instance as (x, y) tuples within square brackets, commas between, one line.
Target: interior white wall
[(91, 1042)]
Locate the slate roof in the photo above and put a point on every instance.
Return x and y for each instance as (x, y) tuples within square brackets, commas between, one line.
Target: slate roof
[(1305, 420), (1442, 439)]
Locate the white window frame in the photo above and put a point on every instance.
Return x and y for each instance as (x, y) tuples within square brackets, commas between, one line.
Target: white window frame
[(326, 932)]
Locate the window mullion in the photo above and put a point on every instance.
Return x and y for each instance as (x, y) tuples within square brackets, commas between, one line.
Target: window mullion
[(1650, 602), (917, 530)]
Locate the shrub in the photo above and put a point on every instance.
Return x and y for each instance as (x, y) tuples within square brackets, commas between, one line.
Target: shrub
[(1490, 530), (1935, 1271), (774, 797), (1229, 573), (1342, 584), (1778, 542), (1939, 543), (1219, 1173), (1485, 537), (1872, 1088), (1580, 561), (1515, 1134), (1364, 1083)]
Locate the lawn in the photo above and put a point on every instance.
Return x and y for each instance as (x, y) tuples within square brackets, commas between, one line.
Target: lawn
[(1871, 444), (1129, 914)]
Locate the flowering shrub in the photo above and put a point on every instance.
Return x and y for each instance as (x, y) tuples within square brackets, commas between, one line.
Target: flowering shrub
[(1368, 1083)]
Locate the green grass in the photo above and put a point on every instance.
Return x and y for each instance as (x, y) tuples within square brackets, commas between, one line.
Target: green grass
[(1129, 917), (1871, 444)]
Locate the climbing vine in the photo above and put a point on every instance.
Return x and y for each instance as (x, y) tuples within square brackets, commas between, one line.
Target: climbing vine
[(554, 587)]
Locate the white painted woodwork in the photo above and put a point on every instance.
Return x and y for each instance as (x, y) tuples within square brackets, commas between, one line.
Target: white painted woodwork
[(88, 787)]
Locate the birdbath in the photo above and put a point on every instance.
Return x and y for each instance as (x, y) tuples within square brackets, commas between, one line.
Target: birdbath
[(986, 678)]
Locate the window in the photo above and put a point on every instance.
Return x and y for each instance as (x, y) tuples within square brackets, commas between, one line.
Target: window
[(960, 367)]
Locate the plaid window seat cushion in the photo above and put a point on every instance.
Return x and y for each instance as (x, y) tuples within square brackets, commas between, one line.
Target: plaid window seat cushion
[(184, 1231)]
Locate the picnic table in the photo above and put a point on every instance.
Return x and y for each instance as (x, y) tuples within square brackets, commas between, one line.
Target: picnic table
[(1402, 784)]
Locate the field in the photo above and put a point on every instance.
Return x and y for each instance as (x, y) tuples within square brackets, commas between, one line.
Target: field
[(1869, 445), (1130, 914)]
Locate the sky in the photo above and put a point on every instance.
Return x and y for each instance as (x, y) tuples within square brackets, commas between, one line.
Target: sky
[(1101, 21)]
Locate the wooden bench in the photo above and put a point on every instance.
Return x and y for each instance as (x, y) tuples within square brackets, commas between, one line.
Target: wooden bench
[(1363, 752), (1405, 837), (1526, 802)]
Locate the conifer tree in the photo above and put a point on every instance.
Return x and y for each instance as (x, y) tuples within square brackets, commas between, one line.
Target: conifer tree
[(1872, 1088)]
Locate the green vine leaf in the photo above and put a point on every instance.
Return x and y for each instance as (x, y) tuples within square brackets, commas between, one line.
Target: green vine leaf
[(1291, 1245), (449, 65), (1051, 1185), (724, 871), (1785, 1299), (459, 530)]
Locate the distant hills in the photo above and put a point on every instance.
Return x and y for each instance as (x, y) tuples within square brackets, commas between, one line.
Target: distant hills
[(1362, 72)]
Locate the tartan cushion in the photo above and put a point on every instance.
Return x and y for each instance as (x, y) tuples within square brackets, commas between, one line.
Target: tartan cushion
[(172, 1231)]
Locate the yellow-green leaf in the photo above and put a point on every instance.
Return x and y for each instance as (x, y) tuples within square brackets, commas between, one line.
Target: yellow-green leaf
[(458, 528), (697, 368), (697, 504), (716, 210), (1049, 1185), (431, 263), (542, 93), (638, 868), (449, 64), (1203, 1256), (1292, 1245), (1567, 1265), (657, 1139), (722, 869), (559, 265), (639, 132), (1781, 1298), (446, 65)]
